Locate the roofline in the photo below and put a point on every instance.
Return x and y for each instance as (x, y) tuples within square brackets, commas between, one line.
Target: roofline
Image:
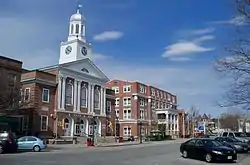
[(36, 70), (7, 58)]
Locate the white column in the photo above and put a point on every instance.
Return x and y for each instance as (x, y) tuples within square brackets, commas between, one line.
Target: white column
[(102, 102), (92, 97), (177, 122), (72, 127), (89, 98), (59, 93), (79, 95), (75, 95), (63, 92)]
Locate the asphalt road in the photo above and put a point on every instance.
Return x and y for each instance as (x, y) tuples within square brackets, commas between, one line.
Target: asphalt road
[(151, 154)]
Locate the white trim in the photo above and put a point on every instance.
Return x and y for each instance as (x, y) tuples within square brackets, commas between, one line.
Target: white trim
[(126, 87), (47, 123), (128, 129), (127, 98), (44, 101)]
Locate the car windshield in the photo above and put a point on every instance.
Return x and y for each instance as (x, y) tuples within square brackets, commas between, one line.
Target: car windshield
[(212, 143)]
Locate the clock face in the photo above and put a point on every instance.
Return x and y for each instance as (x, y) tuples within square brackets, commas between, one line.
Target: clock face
[(68, 50), (84, 51)]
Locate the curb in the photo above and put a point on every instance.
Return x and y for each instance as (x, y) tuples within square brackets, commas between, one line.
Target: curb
[(118, 145)]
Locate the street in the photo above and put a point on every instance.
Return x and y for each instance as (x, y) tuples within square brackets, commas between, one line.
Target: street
[(145, 154)]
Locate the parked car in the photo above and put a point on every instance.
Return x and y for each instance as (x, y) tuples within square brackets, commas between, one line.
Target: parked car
[(31, 143), (236, 135), (207, 149), (234, 143), (7, 142)]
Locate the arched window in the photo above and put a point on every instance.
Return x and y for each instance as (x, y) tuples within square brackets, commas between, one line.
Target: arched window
[(69, 93), (97, 99), (72, 29), (77, 28), (84, 96)]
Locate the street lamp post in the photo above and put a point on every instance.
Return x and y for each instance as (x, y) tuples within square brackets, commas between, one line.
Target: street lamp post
[(140, 135)]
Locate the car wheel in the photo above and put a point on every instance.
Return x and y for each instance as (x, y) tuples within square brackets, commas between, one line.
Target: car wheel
[(1, 149), (184, 154), (208, 158), (36, 149)]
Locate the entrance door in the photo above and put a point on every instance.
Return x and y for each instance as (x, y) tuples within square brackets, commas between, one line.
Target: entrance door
[(77, 129), (66, 127), (82, 130)]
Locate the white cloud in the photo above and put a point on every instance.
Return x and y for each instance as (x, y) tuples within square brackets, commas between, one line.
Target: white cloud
[(180, 59), (238, 21), (202, 31), (108, 35), (188, 47)]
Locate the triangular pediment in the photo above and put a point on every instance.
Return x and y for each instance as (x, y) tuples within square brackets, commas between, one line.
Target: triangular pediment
[(86, 67)]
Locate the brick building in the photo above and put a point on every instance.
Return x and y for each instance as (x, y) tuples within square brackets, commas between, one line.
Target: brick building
[(12, 112), (142, 108)]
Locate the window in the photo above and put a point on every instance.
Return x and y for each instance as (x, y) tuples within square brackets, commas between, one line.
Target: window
[(142, 102), (117, 102), (127, 88), (142, 89), (173, 99), (31, 139), (116, 89), (85, 70), (142, 114), (45, 95), (108, 106), (168, 95), (126, 101), (44, 123), (191, 142), (71, 28), (77, 28), (97, 99), (224, 134), (126, 114), (152, 92), (157, 93), (11, 79), (152, 104), (69, 94), (142, 131), (84, 96), (117, 113), (230, 134), (26, 94), (127, 131), (82, 29), (199, 143)]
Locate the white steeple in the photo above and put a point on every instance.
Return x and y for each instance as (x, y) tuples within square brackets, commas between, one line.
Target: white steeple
[(76, 47), (77, 26)]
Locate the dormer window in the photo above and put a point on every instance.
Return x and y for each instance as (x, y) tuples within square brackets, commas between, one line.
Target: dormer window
[(84, 70)]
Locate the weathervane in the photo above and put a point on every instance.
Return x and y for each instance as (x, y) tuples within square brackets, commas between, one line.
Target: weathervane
[(78, 6)]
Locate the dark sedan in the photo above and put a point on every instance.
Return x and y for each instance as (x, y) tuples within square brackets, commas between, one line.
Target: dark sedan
[(234, 143), (208, 150)]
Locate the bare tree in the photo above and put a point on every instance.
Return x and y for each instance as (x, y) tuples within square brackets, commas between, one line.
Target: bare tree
[(230, 119), (11, 98), (193, 114), (236, 66)]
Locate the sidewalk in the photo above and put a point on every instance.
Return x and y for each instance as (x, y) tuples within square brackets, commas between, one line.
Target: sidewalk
[(77, 146)]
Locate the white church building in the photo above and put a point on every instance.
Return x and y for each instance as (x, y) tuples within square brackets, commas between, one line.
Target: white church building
[(78, 106)]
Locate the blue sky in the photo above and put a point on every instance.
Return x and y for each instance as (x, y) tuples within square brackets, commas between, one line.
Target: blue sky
[(166, 43)]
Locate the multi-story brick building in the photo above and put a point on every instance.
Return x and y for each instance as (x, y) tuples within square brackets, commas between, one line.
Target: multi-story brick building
[(69, 98), (12, 114), (143, 108)]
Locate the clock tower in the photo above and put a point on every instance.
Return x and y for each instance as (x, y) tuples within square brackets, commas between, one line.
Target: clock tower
[(76, 48)]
